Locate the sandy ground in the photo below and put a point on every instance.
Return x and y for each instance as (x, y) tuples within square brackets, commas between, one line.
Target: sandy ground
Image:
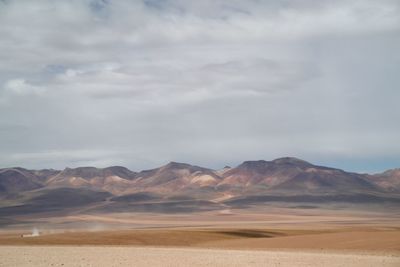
[(355, 239), (371, 240), (205, 247), (269, 217), (270, 237), (136, 256)]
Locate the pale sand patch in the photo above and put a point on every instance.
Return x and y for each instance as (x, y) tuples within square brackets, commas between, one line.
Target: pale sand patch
[(139, 256)]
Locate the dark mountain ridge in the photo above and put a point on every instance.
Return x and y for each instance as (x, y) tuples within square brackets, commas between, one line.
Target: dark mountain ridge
[(181, 186), (14, 180)]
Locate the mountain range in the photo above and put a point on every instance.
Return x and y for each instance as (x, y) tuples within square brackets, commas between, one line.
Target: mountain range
[(181, 187)]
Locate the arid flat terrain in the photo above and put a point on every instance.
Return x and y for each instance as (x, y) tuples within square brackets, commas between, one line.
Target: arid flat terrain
[(352, 239), (139, 256), (279, 237)]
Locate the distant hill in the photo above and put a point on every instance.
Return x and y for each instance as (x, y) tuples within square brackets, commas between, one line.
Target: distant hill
[(175, 177), (15, 180), (59, 200), (181, 187), (294, 176), (112, 179), (388, 180)]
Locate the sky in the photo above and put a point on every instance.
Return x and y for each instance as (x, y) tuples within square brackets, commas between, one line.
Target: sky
[(140, 83)]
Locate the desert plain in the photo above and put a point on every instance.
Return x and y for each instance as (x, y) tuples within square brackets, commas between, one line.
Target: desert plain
[(271, 236)]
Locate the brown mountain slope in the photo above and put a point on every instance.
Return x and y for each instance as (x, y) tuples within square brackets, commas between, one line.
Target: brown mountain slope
[(14, 180), (175, 177), (321, 181), (283, 176), (180, 187), (58, 200), (264, 173), (389, 180), (43, 175), (294, 176), (112, 179)]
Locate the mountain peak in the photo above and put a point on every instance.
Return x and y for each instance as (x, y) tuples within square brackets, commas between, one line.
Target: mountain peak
[(281, 175), (291, 160), (392, 171), (177, 165), (250, 163), (263, 164)]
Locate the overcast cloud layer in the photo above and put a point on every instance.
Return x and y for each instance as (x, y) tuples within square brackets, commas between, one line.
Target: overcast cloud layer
[(211, 82)]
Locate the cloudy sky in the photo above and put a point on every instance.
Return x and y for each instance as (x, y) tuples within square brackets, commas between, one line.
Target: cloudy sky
[(214, 82)]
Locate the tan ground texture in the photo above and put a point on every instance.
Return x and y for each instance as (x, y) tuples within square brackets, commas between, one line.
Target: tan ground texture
[(373, 240), (136, 256), (247, 238)]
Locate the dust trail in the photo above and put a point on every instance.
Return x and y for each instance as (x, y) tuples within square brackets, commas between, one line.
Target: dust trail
[(35, 233)]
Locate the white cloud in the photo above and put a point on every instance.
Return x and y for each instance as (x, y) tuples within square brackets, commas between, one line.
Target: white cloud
[(208, 82), (22, 88)]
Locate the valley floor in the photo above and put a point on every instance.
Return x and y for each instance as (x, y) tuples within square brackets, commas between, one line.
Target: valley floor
[(273, 237), (139, 256)]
